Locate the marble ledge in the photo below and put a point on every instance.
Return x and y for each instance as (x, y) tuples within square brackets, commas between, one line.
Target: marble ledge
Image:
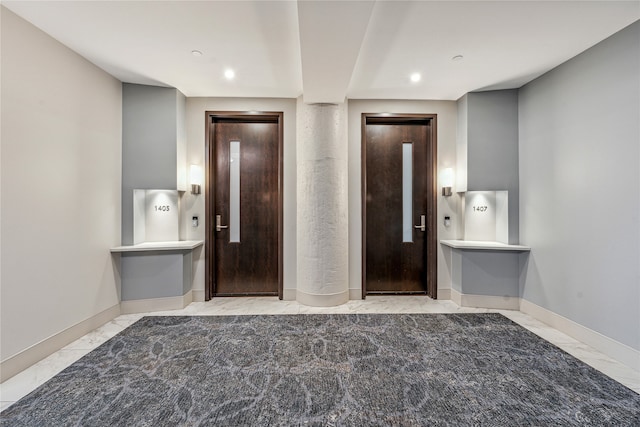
[(178, 245), (484, 245)]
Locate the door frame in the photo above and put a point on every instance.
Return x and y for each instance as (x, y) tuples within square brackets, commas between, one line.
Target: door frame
[(432, 194), (209, 193)]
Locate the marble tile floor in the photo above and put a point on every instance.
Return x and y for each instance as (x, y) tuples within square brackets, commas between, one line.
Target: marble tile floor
[(22, 384)]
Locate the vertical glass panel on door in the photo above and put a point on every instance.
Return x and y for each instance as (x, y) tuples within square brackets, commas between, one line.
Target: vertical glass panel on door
[(234, 192), (407, 192)]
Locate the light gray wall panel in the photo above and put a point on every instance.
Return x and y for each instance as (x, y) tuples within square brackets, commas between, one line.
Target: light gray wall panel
[(154, 275), (461, 144), (187, 271), (492, 147), (489, 273), (181, 143), (580, 188), (456, 269), (149, 132)]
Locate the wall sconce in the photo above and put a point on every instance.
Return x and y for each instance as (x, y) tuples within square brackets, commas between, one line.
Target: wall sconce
[(195, 173), (447, 182)]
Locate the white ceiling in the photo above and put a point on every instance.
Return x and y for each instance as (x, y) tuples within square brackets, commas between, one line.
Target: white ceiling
[(329, 50)]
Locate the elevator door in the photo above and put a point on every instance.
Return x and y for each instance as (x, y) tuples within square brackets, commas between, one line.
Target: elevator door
[(246, 207), (399, 178)]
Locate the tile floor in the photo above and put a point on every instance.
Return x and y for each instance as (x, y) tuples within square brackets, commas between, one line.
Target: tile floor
[(20, 385)]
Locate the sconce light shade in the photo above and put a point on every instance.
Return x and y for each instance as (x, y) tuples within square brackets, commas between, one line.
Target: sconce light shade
[(195, 173), (447, 181)]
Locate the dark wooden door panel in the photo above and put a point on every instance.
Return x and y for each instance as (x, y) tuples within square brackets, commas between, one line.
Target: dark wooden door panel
[(391, 265), (250, 266)]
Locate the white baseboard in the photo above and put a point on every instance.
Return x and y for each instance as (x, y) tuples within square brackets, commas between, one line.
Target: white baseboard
[(322, 300), (444, 293), (355, 293), (32, 355), (289, 294), (612, 348), (198, 295), (156, 304), (292, 294), (608, 346), (456, 297), (485, 301)]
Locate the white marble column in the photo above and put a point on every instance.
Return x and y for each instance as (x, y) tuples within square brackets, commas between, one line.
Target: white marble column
[(322, 224)]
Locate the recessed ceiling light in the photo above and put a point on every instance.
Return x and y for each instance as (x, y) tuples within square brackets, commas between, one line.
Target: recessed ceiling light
[(415, 77), (457, 58), (196, 53), (229, 74)]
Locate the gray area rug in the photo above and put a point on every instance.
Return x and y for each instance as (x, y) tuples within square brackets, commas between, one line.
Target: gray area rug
[(328, 370)]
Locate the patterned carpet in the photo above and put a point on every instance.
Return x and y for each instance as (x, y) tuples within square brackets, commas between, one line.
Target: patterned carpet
[(328, 370)]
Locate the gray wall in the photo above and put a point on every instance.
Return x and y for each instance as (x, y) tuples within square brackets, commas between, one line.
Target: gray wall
[(580, 188), (491, 147), (492, 150), (149, 144), (155, 274), (181, 140), (60, 173), (461, 144), (489, 273)]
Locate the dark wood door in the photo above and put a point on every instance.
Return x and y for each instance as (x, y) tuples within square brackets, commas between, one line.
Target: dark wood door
[(245, 217), (398, 177)]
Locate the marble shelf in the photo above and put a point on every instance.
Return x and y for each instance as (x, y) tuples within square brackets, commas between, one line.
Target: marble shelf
[(181, 245), (484, 245)]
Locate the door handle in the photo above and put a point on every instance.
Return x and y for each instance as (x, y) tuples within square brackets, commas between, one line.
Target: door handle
[(219, 225), (422, 225)]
